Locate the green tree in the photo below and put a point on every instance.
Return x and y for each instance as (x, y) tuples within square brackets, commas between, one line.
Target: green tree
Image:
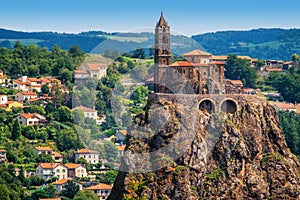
[(29, 132), (5, 192), (68, 139), (139, 53), (71, 190), (16, 130), (85, 195), (35, 109), (78, 116), (64, 114), (45, 89), (44, 158), (240, 69), (111, 151)]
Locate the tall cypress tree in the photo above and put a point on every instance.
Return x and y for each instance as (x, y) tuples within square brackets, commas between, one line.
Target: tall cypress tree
[(16, 130)]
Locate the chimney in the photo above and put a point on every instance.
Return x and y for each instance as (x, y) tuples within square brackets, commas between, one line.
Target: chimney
[(24, 78)]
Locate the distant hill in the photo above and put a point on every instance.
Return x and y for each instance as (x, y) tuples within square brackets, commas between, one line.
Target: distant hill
[(49, 39), (95, 42), (258, 43)]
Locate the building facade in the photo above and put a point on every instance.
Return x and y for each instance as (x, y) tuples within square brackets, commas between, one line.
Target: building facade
[(92, 157)]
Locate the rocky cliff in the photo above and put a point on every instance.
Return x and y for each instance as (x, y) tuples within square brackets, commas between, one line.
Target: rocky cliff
[(207, 155)]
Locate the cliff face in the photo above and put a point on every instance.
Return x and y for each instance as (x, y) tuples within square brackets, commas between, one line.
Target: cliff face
[(230, 156)]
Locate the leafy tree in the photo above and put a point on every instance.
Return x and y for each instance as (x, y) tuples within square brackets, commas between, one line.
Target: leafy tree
[(45, 89), (48, 192), (139, 95), (68, 139), (83, 161), (5, 192), (16, 130), (36, 181), (71, 190), (64, 114), (139, 53), (85, 195), (44, 158), (29, 132), (108, 177), (35, 109), (288, 84), (240, 69), (78, 116), (111, 151)]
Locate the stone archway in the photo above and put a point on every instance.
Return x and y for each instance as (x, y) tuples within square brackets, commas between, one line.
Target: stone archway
[(207, 104), (229, 106)]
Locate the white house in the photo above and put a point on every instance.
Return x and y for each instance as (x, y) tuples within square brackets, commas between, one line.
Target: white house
[(3, 99), (29, 119), (50, 170), (23, 96), (88, 112), (101, 190), (57, 157), (92, 157), (76, 170), (91, 70)]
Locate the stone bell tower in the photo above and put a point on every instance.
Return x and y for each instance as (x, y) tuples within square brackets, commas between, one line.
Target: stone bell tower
[(162, 55)]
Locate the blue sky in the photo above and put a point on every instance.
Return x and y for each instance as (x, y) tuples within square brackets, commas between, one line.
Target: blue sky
[(187, 17)]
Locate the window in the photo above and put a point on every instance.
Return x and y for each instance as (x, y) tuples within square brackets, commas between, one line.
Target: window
[(63, 170), (216, 70), (57, 170), (204, 73)]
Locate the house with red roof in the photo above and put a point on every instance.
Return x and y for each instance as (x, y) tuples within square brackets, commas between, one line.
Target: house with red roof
[(92, 157), (101, 190), (57, 157), (50, 170), (76, 170), (29, 119), (91, 70), (25, 95)]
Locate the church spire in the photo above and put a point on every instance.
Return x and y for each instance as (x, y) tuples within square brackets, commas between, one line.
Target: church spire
[(162, 21)]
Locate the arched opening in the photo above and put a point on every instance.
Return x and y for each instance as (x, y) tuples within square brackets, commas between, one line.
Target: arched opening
[(229, 106), (208, 105)]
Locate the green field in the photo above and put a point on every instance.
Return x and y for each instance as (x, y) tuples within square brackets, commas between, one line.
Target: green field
[(23, 41), (96, 58), (128, 39)]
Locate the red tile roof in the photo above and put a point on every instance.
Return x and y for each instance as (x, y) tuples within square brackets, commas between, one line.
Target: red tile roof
[(60, 182), (236, 82), (123, 132), (121, 148), (80, 72), (95, 66), (56, 154), (28, 115), (197, 52), (101, 186), (43, 148), (28, 93), (49, 165), (285, 106), (274, 69), (85, 109), (182, 64), (85, 151), (72, 165)]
